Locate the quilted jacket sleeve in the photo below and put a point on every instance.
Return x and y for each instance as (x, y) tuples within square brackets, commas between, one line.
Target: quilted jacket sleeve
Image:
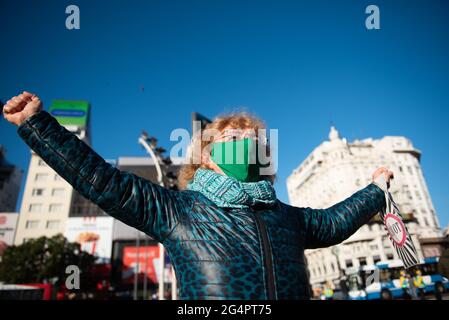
[(125, 196), (326, 227)]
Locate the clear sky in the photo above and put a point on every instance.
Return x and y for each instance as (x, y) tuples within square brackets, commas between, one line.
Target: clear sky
[(300, 65)]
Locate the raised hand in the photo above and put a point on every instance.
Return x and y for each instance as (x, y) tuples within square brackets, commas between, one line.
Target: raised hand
[(20, 107), (382, 177)]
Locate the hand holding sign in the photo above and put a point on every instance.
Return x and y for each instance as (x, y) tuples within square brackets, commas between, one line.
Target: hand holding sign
[(382, 177), (398, 233), (392, 219)]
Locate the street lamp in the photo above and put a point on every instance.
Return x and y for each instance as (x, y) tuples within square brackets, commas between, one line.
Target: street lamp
[(156, 153), (336, 251), (341, 276)]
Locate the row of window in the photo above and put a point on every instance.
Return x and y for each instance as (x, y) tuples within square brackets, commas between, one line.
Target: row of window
[(321, 270), (53, 208), (43, 177), (363, 262), (55, 192), (34, 224), (318, 272), (432, 219)]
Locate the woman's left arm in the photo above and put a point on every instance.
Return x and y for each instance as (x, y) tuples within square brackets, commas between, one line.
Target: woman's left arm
[(327, 227)]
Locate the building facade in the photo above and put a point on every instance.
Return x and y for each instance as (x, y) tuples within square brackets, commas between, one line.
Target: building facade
[(10, 180), (47, 198), (338, 168)]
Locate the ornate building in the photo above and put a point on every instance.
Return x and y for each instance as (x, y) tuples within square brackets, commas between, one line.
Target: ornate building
[(338, 168)]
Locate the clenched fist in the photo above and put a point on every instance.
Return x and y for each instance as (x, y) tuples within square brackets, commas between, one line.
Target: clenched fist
[(21, 107), (382, 177)]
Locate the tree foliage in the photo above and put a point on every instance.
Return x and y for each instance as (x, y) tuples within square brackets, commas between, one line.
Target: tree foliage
[(43, 260)]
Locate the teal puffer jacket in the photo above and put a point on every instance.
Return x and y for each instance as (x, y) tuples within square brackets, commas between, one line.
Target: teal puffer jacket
[(217, 253)]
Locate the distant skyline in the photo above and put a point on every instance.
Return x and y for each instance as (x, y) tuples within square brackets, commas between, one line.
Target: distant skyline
[(300, 65)]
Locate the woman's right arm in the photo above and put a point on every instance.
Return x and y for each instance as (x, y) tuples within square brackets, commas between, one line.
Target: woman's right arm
[(125, 196)]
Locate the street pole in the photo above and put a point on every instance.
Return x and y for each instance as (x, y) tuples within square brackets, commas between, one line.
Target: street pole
[(162, 268), (136, 271), (145, 279), (160, 180), (174, 285), (336, 252)]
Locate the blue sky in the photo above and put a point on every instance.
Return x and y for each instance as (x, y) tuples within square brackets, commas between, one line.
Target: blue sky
[(300, 65)]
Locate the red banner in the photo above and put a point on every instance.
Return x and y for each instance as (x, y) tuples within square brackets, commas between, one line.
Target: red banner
[(141, 258)]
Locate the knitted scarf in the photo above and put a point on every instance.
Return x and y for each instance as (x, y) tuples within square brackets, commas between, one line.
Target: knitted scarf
[(228, 192)]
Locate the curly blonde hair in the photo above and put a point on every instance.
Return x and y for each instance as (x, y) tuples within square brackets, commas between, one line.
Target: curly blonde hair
[(236, 120)]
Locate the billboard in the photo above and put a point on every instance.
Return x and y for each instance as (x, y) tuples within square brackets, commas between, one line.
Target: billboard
[(8, 223), (70, 112), (94, 234), (144, 260)]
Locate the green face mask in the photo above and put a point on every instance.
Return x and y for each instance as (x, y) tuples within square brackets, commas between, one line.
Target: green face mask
[(237, 159)]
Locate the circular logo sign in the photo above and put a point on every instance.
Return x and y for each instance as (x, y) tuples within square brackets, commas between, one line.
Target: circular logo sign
[(396, 229)]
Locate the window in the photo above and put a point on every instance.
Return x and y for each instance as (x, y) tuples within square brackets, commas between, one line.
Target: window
[(41, 163), (32, 224), (35, 207), (349, 263), (409, 195), (55, 207), (57, 192), (376, 259), (41, 177), (52, 224), (362, 261), (390, 256), (37, 192)]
